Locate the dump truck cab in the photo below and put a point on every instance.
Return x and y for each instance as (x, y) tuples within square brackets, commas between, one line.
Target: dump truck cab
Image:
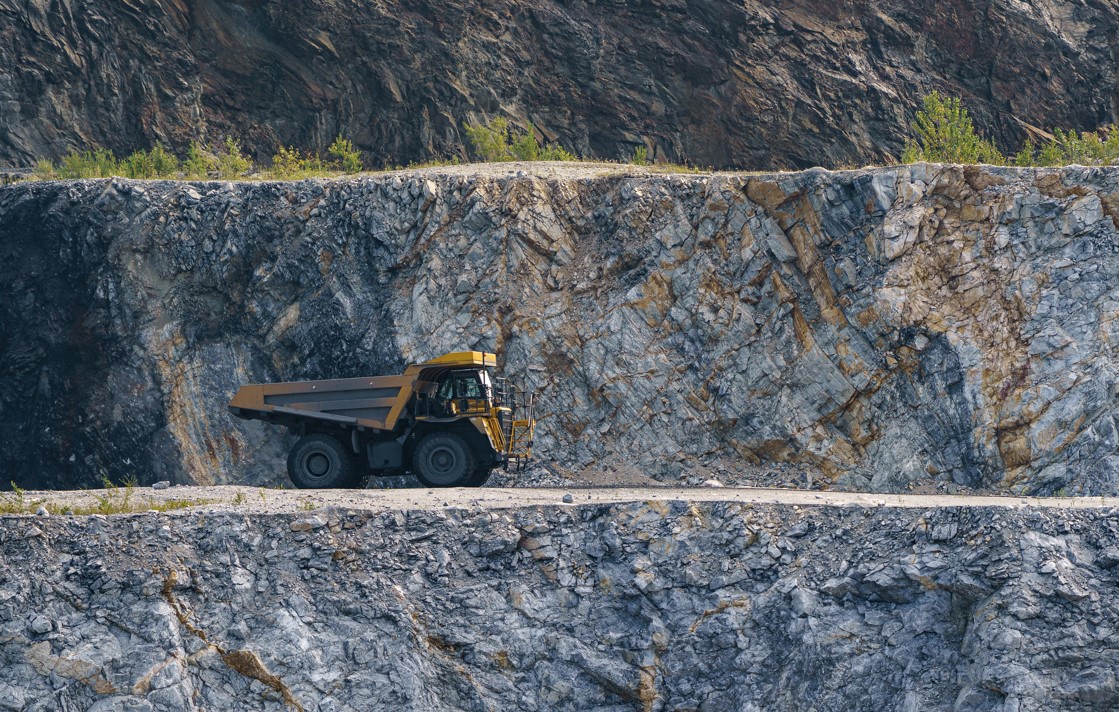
[(450, 421)]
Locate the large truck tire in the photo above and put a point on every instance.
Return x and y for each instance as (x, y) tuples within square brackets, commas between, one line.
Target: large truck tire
[(321, 461), (443, 460)]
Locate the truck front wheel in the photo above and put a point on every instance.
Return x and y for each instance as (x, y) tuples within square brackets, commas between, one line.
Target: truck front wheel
[(320, 461), (443, 460)]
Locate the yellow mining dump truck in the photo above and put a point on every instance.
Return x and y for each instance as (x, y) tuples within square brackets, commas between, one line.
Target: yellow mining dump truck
[(448, 420)]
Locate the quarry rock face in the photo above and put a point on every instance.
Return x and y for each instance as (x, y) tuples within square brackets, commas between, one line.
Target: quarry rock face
[(642, 606), (753, 85), (877, 327)]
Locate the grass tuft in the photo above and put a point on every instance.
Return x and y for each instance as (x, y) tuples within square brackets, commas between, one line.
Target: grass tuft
[(115, 499)]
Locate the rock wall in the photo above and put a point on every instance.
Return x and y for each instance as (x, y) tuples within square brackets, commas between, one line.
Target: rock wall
[(879, 328), (655, 606), (754, 84)]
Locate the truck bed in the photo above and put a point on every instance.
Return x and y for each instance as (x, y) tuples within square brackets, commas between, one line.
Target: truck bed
[(370, 402)]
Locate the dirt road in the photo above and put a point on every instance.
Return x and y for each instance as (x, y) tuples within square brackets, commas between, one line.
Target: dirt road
[(252, 500)]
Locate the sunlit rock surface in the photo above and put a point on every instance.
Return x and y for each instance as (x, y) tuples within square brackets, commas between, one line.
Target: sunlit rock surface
[(880, 327)]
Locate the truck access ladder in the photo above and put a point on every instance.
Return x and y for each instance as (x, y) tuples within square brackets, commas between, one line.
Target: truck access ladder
[(521, 427)]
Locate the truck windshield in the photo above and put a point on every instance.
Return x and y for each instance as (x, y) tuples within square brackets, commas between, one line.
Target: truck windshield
[(464, 384)]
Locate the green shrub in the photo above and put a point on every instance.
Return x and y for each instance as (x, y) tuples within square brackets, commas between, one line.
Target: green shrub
[(199, 162), (640, 156), (1025, 156), (524, 146), (164, 163), (552, 152), (157, 163), (1049, 155), (1069, 147), (100, 163), (497, 141), (490, 140), (44, 169), (1087, 148), (138, 165), (349, 160), (945, 134), (232, 163), (203, 162), (287, 163)]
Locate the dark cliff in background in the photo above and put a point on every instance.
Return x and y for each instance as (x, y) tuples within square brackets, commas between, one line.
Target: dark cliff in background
[(719, 83)]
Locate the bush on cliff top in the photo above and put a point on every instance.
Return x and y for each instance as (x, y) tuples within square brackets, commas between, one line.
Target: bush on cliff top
[(497, 141), (945, 134), (202, 162), (289, 162)]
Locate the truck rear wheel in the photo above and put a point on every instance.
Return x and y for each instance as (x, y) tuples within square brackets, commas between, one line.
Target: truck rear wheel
[(320, 461), (443, 460)]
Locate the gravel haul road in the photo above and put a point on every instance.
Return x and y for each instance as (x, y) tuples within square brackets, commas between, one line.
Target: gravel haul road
[(275, 501)]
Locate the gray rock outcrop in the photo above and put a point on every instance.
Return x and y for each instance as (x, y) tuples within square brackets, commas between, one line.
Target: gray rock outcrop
[(881, 327), (646, 606)]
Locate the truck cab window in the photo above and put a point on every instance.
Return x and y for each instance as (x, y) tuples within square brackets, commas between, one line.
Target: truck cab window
[(461, 385)]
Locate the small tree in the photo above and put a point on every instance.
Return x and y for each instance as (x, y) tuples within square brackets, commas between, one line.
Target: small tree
[(100, 163), (44, 169), (232, 162), (163, 162), (1025, 157), (199, 162), (349, 160), (138, 164), (525, 147), (490, 140), (945, 134), (498, 141), (287, 163)]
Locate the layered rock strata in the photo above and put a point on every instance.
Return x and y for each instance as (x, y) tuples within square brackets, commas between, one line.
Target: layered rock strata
[(646, 606), (754, 84), (878, 327)]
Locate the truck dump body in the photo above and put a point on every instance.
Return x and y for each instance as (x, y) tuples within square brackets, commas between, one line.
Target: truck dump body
[(439, 419), (373, 402), (369, 402)]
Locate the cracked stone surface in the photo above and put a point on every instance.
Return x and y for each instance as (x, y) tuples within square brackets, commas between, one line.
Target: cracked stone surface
[(656, 605), (876, 328)]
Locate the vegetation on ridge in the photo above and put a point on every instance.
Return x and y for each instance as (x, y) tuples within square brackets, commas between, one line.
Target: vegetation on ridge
[(494, 141), (945, 134), (498, 140), (225, 161), (942, 132)]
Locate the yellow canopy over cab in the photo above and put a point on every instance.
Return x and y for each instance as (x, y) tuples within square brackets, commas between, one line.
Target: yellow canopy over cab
[(465, 358)]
